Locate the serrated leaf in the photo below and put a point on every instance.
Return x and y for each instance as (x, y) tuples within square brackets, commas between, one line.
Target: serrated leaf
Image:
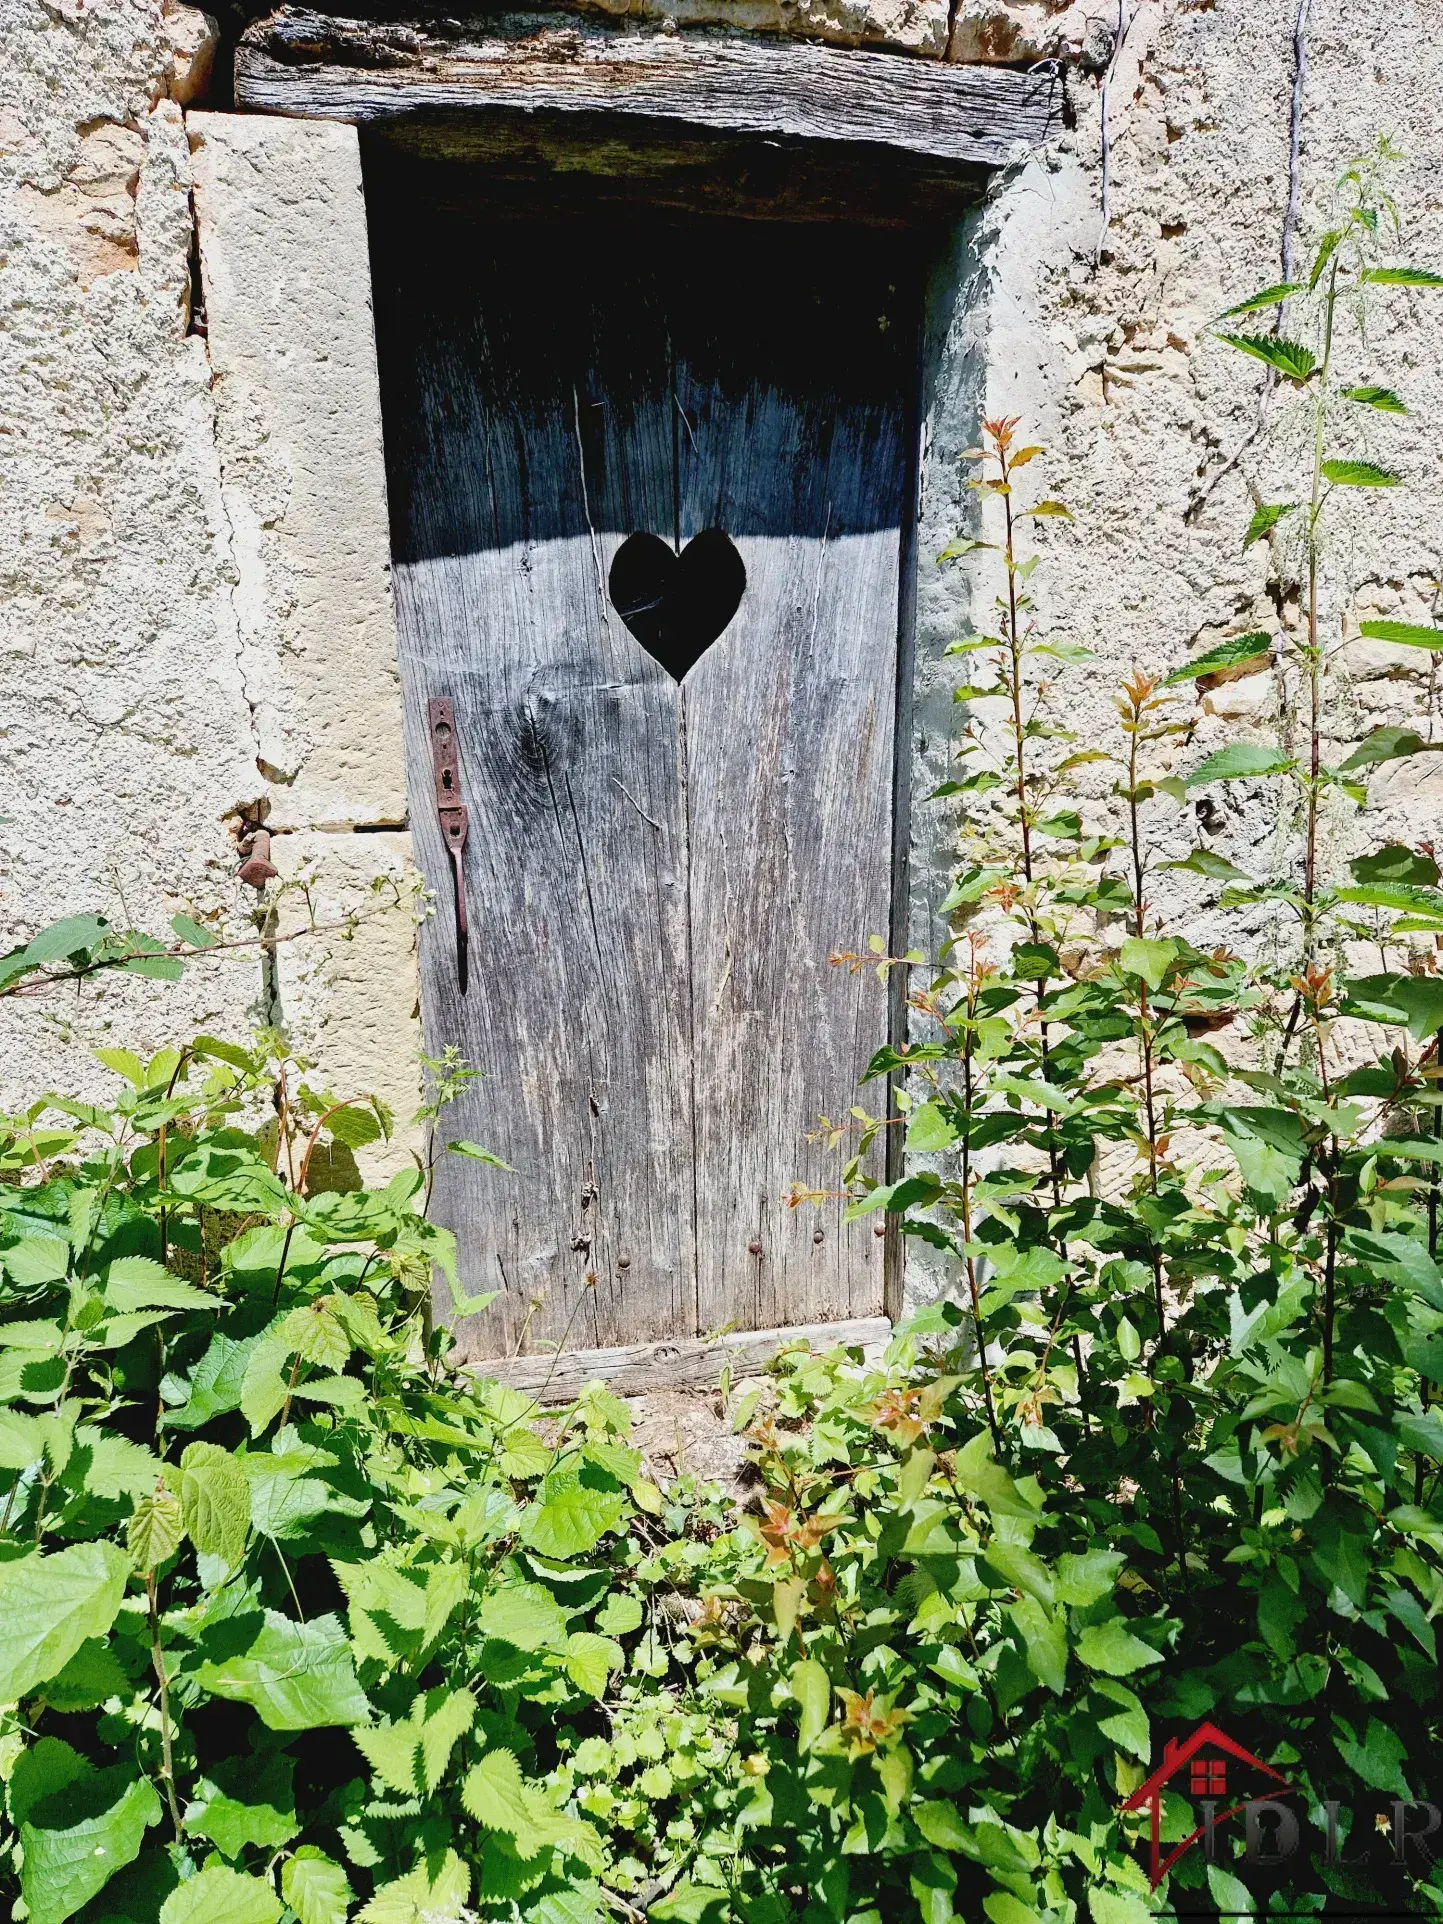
[(1381, 398), (36, 1260), (138, 1282), (1203, 861), (155, 1530), (1404, 634), (589, 1660), (525, 1615), (1266, 518), (298, 1676), (1112, 1648), (215, 1384), (475, 1153), (216, 1501), (1045, 510), (572, 1518), (1290, 358), (247, 1802), (1402, 277), (1231, 653), (437, 1888), (218, 1895), (446, 1716), (1388, 745), (49, 1606), (1360, 474), (315, 1887), (1240, 761), (393, 1750), (123, 1062), (1082, 1579), (75, 1841), (1266, 297), (1149, 960)]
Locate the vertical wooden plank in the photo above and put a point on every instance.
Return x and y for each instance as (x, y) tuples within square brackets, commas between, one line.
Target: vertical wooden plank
[(793, 365), (528, 427)]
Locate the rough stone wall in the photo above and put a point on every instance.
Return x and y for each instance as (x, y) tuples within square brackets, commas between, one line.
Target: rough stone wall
[(129, 722)]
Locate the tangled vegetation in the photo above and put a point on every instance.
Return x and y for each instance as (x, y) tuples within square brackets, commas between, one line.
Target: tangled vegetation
[(299, 1620)]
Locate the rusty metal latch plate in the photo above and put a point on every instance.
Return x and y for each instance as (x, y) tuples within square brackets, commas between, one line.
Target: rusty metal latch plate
[(452, 815)]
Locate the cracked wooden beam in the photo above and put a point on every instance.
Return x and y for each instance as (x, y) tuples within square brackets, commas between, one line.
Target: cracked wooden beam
[(313, 65)]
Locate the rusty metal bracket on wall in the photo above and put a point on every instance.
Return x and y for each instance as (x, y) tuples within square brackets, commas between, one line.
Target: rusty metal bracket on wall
[(452, 815)]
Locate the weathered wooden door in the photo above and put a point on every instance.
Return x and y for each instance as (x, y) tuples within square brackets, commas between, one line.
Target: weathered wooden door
[(649, 488)]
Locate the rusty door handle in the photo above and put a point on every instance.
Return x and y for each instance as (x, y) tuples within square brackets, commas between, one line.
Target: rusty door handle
[(451, 812)]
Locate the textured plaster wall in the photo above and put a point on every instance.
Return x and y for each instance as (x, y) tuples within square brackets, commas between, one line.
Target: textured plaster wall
[(166, 558), (196, 622)]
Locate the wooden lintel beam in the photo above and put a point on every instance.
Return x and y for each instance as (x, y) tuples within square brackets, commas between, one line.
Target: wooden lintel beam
[(314, 65), (637, 1368)]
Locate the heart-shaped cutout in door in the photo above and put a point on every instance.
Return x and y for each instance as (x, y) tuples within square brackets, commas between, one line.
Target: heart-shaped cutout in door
[(677, 604)]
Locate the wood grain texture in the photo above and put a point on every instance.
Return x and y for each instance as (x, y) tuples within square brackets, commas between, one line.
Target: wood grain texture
[(656, 874), (789, 723), (300, 62), (634, 1369), (512, 460)]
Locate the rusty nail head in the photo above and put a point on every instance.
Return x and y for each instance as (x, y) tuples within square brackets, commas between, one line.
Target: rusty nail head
[(754, 1249), (819, 1235), (879, 1229), (257, 869), (623, 1262)]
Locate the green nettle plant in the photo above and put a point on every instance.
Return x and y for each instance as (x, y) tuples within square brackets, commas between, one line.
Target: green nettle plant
[(300, 1620), (295, 1616), (1178, 1459)]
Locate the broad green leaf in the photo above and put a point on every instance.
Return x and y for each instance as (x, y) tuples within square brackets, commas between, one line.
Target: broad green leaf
[(1360, 474), (1378, 1760), (215, 1383), (1003, 1908), (49, 1606), (113, 1466), (1403, 634), (1402, 277), (1267, 297), (942, 1824), (590, 1659), (1019, 1569), (475, 1153), (1240, 761), (36, 1260), (1264, 520), (1112, 1648), (92, 1675), (1389, 745), (123, 1063), (1088, 1577), (189, 930), (1382, 398), (246, 1802), (393, 1750), (1203, 861), (41, 1770), (1230, 1894), (1290, 358), (437, 1888), (496, 1795), (929, 1128), (75, 935), (1395, 862), (1044, 1633), (298, 1676), (215, 1497), (156, 1529), (976, 1471), (77, 1839), (572, 1517), (446, 1717), (813, 1691), (1150, 960), (315, 1887), (221, 1896), (138, 1282)]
